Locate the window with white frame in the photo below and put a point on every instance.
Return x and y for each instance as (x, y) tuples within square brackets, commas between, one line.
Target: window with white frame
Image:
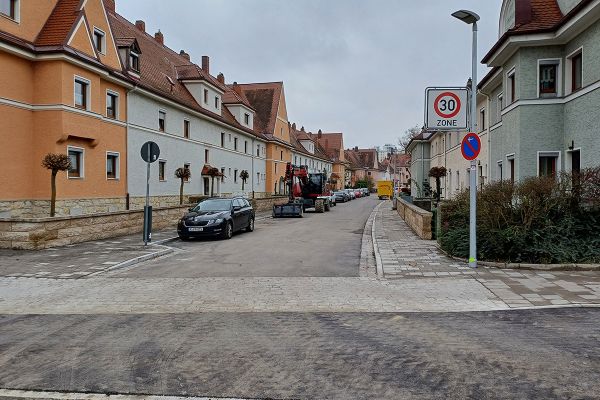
[(187, 167), (235, 144), (575, 70), (82, 93), (499, 107), (10, 9), (500, 171), (100, 40), (235, 176), (223, 174), (76, 157), (257, 178), (112, 165), (134, 61), (186, 129), (162, 167), (548, 78), (162, 120), (482, 120), (217, 102), (548, 163), (246, 146), (111, 104), (511, 81), (246, 118)]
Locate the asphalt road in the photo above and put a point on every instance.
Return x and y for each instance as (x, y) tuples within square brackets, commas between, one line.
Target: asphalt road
[(318, 245), (541, 354)]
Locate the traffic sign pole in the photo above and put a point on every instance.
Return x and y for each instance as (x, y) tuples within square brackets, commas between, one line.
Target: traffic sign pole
[(473, 177), (150, 153)]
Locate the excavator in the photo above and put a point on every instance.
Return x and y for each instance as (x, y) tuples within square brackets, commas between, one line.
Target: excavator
[(305, 191)]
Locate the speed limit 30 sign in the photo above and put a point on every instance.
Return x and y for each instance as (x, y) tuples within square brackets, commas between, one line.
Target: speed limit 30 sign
[(446, 109)]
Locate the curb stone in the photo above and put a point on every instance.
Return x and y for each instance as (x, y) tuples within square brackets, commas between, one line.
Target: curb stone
[(146, 257), (379, 264), (526, 267)]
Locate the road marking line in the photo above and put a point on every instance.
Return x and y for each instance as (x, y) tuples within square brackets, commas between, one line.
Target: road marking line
[(99, 396)]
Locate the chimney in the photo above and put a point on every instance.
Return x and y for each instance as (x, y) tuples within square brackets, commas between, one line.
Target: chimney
[(185, 55), (221, 78), (302, 129), (110, 5), (320, 134), (294, 126), (523, 12), (141, 25), (237, 88), (160, 38), (355, 148), (206, 64)]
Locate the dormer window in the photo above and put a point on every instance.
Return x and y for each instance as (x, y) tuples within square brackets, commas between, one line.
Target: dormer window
[(100, 41), (8, 8), (134, 61), (247, 119), (217, 102)]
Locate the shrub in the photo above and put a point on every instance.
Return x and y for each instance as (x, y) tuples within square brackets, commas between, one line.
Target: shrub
[(539, 220)]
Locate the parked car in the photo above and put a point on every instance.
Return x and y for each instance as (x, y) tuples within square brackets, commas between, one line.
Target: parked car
[(220, 217), (366, 192), (351, 193), (341, 197), (358, 193)]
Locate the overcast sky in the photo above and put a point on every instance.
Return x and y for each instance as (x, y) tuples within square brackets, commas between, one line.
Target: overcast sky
[(356, 66)]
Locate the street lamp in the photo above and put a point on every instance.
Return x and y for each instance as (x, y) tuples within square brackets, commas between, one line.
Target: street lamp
[(471, 18)]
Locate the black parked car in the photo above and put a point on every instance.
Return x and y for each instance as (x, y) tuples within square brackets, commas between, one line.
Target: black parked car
[(217, 217)]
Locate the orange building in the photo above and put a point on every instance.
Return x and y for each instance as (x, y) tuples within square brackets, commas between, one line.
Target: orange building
[(271, 120), (333, 144), (62, 90)]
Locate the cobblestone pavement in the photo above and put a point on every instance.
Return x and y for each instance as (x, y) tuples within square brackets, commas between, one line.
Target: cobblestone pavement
[(405, 256), (523, 354)]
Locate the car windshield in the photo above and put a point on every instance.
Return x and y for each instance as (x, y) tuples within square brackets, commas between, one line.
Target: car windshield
[(214, 205)]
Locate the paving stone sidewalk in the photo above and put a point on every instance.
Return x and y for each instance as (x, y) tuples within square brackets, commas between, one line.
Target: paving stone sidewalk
[(406, 256)]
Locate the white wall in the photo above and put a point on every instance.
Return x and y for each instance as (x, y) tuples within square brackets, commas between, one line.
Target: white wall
[(239, 111), (177, 150), (197, 90)]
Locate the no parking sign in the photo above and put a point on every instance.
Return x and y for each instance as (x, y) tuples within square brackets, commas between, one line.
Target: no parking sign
[(471, 146)]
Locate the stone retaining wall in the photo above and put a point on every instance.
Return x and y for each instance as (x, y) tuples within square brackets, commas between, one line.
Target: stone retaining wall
[(42, 233), (418, 219), (266, 204)]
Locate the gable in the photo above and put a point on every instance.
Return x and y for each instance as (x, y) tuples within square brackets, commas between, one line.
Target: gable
[(96, 17), (80, 39)]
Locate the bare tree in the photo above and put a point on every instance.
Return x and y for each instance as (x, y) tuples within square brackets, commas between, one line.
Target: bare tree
[(183, 174), (408, 135), (55, 163)]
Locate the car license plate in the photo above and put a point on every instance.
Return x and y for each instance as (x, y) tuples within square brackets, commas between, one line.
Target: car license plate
[(196, 229)]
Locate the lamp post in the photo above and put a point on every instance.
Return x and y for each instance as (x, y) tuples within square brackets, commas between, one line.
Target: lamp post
[(471, 18)]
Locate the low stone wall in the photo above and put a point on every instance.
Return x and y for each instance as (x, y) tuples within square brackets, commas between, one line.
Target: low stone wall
[(267, 203), (418, 219), (42, 233)]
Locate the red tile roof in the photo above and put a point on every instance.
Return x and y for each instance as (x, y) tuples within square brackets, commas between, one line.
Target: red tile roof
[(161, 71), (264, 98), (60, 23), (333, 144), (296, 136)]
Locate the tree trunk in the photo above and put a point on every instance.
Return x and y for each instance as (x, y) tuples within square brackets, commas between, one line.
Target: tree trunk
[(53, 195), (243, 182), (438, 188), (181, 192), (212, 186)]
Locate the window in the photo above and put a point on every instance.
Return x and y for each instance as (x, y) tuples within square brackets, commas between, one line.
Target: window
[(499, 108), (511, 165), (186, 166), (222, 139), (111, 105), (235, 176), (162, 120), (257, 178), (258, 150), (112, 165), (482, 119), (9, 8), (100, 40), (235, 144), (216, 101), (81, 93), (246, 146), (206, 186), (205, 96), (230, 138), (76, 158), (222, 174), (547, 163), (134, 61), (206, 154), (576, 72), (162, 166), (247, 119), (281, 156), (548, 79), (512, 87), (186, 129), (275, 167), (500, 171)]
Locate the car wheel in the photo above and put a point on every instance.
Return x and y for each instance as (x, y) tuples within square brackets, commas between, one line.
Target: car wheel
[(228, 232), (250, 227), (183, 237)]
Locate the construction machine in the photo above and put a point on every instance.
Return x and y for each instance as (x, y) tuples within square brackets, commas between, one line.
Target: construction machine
[(305, 191)]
